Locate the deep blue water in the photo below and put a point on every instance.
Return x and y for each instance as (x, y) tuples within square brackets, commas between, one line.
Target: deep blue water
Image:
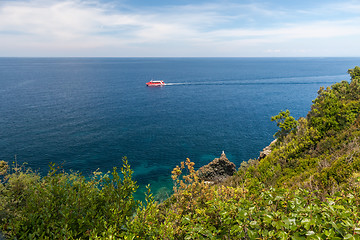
[(87, 113)]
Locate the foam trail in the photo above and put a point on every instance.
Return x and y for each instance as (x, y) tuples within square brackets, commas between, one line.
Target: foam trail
[(171, 84), (267, 81), (194, 83)]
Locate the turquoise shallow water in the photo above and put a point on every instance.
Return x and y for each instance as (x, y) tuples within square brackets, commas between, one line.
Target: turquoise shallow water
[(87, 113)]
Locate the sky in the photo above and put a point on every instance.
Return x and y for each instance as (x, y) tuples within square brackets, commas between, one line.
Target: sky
[(179, 28)]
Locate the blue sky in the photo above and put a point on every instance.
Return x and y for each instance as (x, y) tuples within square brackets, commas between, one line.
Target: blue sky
[(179, 28)]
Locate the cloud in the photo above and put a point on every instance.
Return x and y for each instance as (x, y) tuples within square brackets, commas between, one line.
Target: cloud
[(75, 27), (273, 50)]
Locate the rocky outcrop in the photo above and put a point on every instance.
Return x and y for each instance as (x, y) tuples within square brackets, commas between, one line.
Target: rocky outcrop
[(217, 170), (266, 151)]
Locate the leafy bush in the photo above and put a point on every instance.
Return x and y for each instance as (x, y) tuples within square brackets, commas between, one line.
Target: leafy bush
[(66, 205)]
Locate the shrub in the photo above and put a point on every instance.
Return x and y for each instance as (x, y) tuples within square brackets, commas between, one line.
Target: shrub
[(66, 205)]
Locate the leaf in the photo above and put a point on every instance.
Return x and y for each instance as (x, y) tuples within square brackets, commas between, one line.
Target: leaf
[(306, 223), (297, 236), (253, 224), (339, 207), (252, 234), (310, 233), (349, 236), (267, 218), (235, 229), (188, 237), (282, 235)]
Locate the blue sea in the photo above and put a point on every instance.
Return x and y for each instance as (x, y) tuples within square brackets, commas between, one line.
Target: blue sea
[(87, 113)]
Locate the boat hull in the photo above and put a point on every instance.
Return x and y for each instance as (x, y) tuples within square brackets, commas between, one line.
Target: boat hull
[(155, 83)]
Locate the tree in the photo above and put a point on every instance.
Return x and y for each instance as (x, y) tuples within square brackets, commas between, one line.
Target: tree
[(355, 82), (285, 122), (354, 72)]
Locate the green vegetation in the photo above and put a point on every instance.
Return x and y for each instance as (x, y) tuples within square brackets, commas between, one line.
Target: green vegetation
[(285, 122), (65, 205), (308, 187)]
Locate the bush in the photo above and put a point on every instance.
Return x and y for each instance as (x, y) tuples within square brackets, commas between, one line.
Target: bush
[(66, 205)]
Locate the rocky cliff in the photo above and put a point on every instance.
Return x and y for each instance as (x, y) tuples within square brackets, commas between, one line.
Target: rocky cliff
[(266, 151), (217, 170)]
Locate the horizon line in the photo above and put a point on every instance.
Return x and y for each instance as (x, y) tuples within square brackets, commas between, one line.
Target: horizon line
[(177, 57)]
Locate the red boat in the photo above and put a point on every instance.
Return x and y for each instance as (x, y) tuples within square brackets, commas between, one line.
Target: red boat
[(155, 83)]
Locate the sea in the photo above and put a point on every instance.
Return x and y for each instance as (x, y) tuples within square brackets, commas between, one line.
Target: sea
[(86, 114)]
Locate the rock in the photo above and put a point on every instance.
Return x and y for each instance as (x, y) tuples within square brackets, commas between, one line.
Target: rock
[(266, 151), (217, 170)]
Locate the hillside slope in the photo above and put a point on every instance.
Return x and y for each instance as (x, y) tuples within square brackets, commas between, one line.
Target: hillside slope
[(320, 152)]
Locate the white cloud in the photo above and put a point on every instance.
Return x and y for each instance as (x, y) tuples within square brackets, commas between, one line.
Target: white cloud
[(323, 29), (273, 50), (72, 27)]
